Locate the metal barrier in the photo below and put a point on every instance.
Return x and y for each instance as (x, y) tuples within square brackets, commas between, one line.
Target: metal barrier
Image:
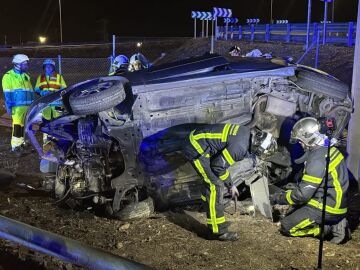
[(336, 33), (63, 248)]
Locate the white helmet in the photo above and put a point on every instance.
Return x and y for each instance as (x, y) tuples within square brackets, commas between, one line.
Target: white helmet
[(138, 62), (20, 58), (307, 130), (49, 62)]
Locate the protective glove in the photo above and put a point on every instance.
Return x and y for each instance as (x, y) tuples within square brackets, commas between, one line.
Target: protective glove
[(234, 192), (276, 198)]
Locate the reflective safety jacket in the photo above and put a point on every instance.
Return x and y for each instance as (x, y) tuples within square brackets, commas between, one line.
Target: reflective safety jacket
[(48, 84), (223, 144), (310, 190), (17, 89)]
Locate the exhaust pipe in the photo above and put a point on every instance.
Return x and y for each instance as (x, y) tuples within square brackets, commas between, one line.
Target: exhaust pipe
[(63, 248)]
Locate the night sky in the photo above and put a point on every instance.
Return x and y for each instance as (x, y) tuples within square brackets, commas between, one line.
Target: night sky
[(95, 20)]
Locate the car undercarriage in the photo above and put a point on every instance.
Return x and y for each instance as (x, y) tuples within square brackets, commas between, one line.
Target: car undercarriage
[(117, 142)]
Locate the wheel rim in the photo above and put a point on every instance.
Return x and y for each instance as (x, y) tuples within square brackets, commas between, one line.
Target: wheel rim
[(100, 87)]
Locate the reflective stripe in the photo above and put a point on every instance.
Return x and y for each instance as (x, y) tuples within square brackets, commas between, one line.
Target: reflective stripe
[(236, 130), (328, 209), (195, 144), (288, 197), (338, 189), (302, 230), (225, 133), (232, 129), (212, 202), (225, 176), (228, 157), (203, 198), (312, 179), (207, 136), (335, 161), (219, 220)]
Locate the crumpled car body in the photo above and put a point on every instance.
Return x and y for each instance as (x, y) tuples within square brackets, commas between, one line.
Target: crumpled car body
[(122, 152)]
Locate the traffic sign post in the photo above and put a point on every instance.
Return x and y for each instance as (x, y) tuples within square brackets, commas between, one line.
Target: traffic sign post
[(325, 18), (203, 16)]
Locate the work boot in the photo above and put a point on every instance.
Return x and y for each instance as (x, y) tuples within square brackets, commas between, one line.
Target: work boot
[(341, 232), (227, 236)]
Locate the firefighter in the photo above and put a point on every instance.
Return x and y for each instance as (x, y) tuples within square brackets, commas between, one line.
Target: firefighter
[(307, 196), (47, 83), (19, 94), (211, 149), (138, 62), (119, 65)]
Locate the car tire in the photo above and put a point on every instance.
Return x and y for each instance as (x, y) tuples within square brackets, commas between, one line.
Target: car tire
[(103, 95), (143, 209), (322, 84)]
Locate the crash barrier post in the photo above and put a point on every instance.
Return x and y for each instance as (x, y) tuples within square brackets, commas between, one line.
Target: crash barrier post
[(240, 32), (336, 33), (252, 32), (288, 32), (267, 33), (350, 34), (63, 248)]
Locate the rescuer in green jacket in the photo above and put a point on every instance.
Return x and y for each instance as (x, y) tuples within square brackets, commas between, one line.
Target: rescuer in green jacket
[(19, 94)]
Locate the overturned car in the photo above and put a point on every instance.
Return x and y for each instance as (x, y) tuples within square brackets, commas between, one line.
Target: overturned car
[(116, 144)]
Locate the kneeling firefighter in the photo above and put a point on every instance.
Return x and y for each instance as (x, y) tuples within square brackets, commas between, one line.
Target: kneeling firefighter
[(211, 149), (308, 195)]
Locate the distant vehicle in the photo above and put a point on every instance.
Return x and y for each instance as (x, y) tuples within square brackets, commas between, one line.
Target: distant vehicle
[(116, 145)]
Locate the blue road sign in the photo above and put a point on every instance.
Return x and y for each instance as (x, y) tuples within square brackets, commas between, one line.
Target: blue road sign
[(251, 21), (231, 20), (222, 12), (202, 15)]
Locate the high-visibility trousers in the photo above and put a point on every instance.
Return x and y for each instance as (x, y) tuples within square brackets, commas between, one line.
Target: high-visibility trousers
[(213, 198), (18, 114), (306, 220), (50, 113)]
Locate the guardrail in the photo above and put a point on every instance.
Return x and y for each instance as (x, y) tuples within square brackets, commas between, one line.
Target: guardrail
[(336, 33)]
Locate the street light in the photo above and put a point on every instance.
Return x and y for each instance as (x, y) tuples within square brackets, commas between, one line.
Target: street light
[(139, 44), (42, 39), (271, 12)]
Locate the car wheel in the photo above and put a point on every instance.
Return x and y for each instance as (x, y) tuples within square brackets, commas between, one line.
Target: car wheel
[(322, 84), (104, 94), (143, 209)]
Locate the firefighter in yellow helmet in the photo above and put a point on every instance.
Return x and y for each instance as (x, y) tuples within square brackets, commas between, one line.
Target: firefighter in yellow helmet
[(19, 94), (47, 83)]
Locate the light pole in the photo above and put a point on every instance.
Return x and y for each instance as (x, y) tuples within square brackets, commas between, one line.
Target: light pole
[(60, 20), (271, 12), (333, 12)]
